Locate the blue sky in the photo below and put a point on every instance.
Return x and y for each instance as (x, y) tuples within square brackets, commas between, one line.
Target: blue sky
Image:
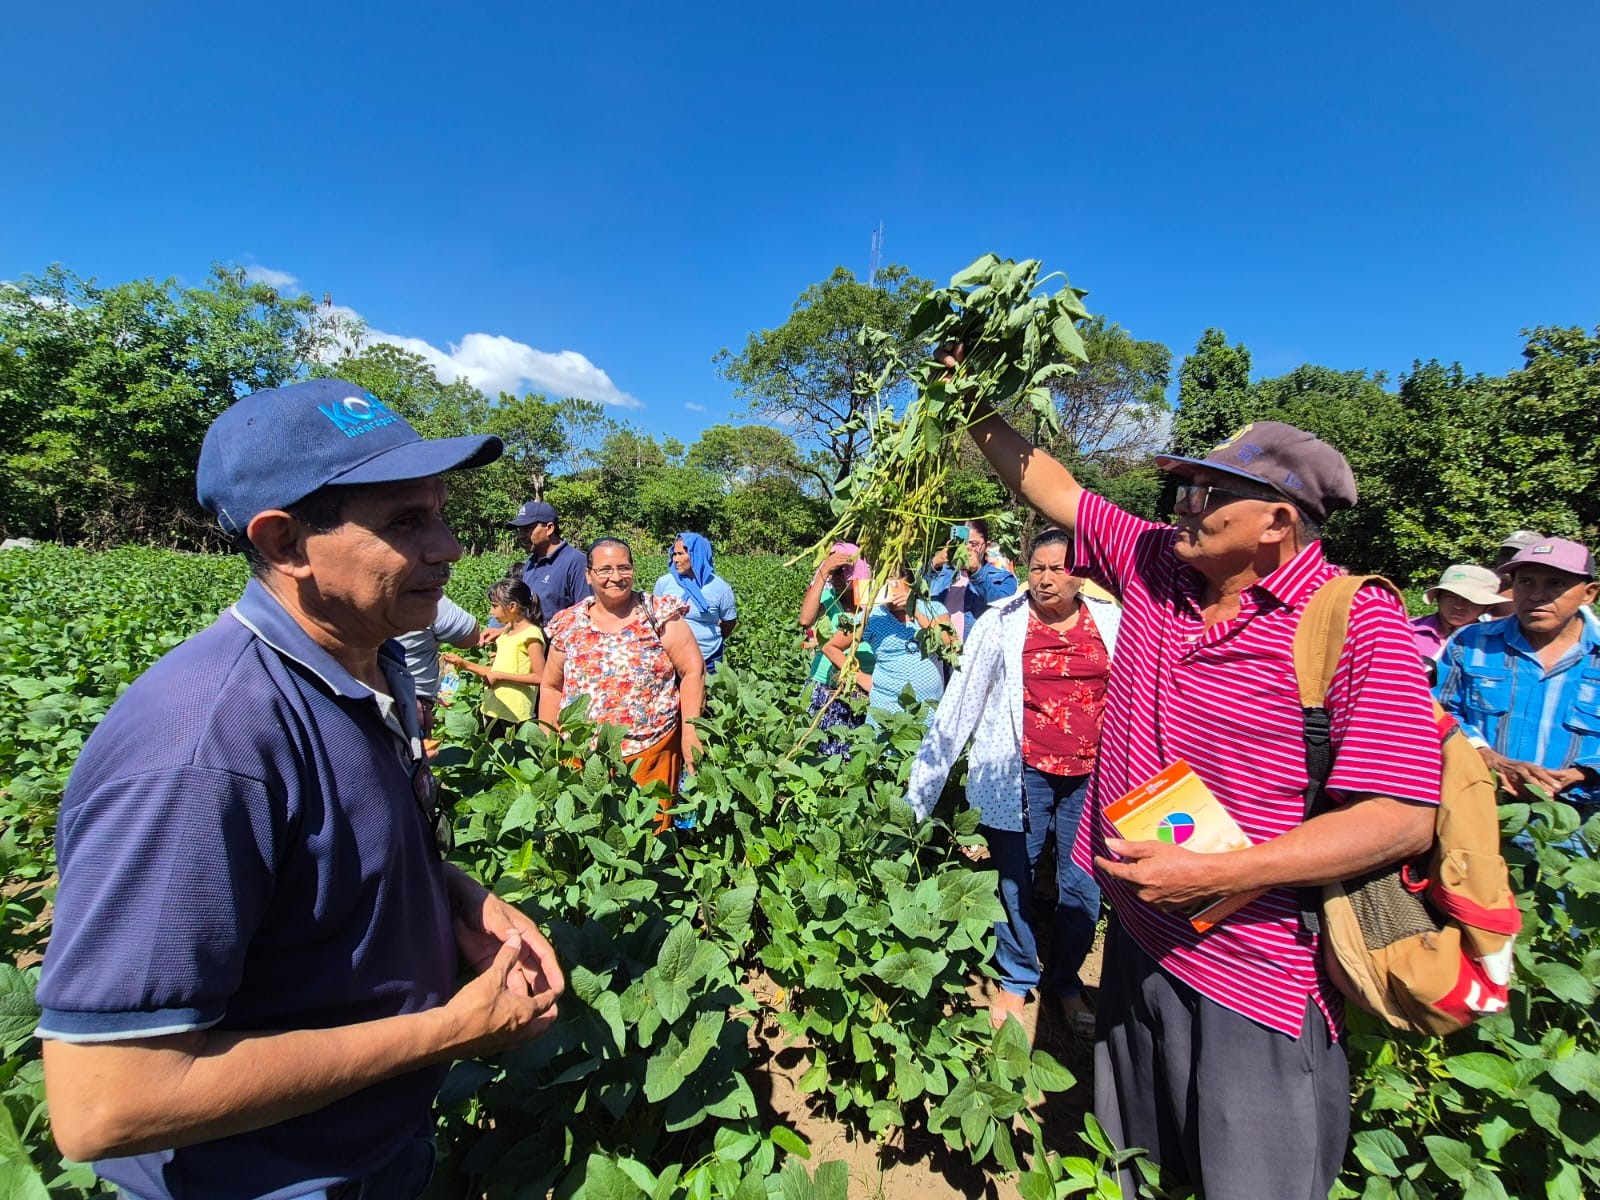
[(599, 197)]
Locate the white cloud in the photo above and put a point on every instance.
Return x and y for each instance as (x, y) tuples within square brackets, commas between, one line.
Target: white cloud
[(494, 363), (281, 280), (693, 407)]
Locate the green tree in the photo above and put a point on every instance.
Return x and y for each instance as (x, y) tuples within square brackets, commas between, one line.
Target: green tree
[(1214, 394), (109, 391), (1114, 416), (1352, 411), (672, 499), (771, 516), (1114, 409), (1549, 427), (743, 454), (807, 372)]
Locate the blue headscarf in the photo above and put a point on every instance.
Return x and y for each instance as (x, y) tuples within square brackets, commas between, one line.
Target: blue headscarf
[(700, 570)]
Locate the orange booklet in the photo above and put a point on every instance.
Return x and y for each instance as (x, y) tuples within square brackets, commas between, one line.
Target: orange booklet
[(1176, 806)]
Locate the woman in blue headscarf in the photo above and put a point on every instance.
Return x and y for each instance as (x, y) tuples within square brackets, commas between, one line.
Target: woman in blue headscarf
[(712, 610)]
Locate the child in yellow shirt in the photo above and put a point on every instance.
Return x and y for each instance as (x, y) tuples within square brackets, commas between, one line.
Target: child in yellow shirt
[(512, 678)]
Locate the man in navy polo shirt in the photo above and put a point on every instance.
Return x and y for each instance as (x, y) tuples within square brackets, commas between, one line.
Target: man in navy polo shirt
[(248, 988), (557, 573)]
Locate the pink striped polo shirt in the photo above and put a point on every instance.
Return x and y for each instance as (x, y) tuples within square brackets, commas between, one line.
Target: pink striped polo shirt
[(1225, 699)]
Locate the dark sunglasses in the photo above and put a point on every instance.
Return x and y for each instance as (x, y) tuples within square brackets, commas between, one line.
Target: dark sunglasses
[(1196, 497)]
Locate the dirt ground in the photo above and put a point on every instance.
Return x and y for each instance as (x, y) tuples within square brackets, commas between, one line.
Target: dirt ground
[(915, 1165)]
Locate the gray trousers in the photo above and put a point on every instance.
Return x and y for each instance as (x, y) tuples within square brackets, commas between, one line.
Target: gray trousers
[(1225, 1105)]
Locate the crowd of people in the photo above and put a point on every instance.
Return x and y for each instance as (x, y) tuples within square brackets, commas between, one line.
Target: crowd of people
[(1135, 645), (638, 659), (279, 1024)]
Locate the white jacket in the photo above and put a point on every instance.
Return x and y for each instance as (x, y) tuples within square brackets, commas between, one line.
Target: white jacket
[(983, 701)]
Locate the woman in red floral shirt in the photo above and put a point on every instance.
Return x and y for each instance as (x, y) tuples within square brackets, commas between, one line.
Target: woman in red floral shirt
[(636, 660)]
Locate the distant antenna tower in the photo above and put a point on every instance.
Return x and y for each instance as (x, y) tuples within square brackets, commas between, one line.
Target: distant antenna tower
[(877, 255)]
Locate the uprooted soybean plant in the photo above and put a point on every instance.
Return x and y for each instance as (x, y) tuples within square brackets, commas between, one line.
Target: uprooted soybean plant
[(1012, 336)]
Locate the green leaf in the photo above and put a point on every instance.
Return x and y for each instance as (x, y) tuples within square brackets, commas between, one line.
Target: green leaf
[(1565, 1184), (911, 970), (1036, 1185), (1484, 1185), (789, 1141), (832, 1181), (909, 1081), (1495, 1133), (1010, 1043), (1454, 1158), (1566, 982), (1579, 1073), (1049, 1075), (18, 1011), (1095, 1134), (735, 1145), (604, 1180), (732, 909), (1486, 1072), (675, 962), (19, 1180), (816, 1075), (1583, 876), (1379, 1151)]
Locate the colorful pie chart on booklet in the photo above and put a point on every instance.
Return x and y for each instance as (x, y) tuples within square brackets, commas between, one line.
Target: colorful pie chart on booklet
[(1176, 828)]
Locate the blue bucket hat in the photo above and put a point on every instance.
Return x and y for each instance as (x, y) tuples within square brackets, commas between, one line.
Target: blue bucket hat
[(278, 446)]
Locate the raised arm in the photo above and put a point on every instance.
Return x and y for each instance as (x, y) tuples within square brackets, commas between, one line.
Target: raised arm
[(811, 604), (1028, 471)]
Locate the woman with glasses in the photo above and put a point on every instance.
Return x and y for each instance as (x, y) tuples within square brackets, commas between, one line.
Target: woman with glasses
[(1030, 694), (636, 660)]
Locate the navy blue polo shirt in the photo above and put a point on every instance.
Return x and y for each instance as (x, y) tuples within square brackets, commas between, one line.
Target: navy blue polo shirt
[(558, 579), (242, 847)]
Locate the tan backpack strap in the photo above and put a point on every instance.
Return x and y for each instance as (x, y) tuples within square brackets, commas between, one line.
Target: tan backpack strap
[(1319, 639)]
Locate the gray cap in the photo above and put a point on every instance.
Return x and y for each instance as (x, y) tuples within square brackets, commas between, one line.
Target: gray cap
[(1521, 540), (1301, 468)]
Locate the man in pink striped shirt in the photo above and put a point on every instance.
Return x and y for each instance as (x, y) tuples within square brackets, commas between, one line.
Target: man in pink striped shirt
[(1220, 1052)]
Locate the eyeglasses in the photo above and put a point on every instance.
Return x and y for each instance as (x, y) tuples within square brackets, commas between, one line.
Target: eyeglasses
[(612, 572), (1196, 497)]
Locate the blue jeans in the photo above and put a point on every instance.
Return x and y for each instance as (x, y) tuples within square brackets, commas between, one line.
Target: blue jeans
[(1052, 806)]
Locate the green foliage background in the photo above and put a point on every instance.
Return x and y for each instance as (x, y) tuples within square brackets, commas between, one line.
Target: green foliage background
[(805, 872), (808, 873)]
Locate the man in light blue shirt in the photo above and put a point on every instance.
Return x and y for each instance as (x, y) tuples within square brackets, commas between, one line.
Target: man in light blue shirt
[(1526, 688)]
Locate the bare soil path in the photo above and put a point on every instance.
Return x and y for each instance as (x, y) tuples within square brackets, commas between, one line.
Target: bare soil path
[(914, 1164)]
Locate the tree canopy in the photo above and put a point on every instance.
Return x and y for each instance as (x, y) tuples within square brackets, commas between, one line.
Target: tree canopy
[(107, 392), (807, 373)]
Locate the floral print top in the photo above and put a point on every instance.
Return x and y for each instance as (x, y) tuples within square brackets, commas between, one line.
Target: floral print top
[(1064, 679), (627, 675)]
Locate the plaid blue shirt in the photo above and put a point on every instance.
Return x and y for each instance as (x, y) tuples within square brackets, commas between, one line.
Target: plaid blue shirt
[(1491, 680)]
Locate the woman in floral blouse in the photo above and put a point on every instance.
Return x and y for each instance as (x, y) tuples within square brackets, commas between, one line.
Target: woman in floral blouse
[(636, 660), (1030, 693)]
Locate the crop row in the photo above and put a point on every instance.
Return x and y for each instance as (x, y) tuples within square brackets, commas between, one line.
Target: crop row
[(806, 874)]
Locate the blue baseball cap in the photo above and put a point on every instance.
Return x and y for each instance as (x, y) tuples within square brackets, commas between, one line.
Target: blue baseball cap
[(533, 513), (278, 446)]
